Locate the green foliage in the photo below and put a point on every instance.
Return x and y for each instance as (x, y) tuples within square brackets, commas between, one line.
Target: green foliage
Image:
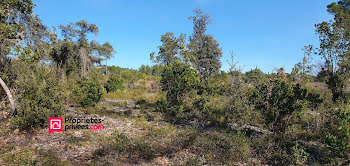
[(279, 102), (63, 56), (32, 157), (254, 75), (88, 92), (303, 70), (333, 35), (157, 70), (178, 80), (170, 49), (339, 138), (299, 154), (145, 69), (114, 84), (14, 16), (41, 96), (204, 49)]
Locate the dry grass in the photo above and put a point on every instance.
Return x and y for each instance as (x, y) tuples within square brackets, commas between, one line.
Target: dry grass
[(134, 94)]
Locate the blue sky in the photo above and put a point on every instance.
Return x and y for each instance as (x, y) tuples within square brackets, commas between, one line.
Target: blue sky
[(266, 34)]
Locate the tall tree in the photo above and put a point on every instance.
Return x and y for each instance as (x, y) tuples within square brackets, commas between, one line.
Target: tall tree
[(106, 50), (204, 48), (334, 47), (84, 29), (79, 32)]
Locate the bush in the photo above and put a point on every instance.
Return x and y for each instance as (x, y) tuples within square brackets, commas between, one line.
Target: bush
[(339, 137), (254, 75), (279, 102), (114, 84), (88, 92), (41, 96), (178, 80)]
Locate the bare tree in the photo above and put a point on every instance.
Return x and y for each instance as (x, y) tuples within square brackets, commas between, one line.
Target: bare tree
[(233, 64)]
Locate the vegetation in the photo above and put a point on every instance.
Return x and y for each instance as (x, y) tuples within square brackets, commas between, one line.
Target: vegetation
[(114, 84), (182, 109), (88, 92)]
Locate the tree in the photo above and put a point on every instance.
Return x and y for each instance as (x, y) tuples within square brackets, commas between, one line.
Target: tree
[(170, 49), (304, 69), (80, 31), (14, 18), (203, 48), (145, 69), (234, 68), (334, 47), (106, 50), (61, 52)]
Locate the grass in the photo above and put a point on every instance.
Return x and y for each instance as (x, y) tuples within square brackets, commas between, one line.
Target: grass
[(133, 94), (32, 157)]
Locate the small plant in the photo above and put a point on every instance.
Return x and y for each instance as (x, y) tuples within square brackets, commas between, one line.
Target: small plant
[(300, 155)]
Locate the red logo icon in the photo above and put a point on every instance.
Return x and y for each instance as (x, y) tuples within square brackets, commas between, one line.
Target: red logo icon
[(55, 124)]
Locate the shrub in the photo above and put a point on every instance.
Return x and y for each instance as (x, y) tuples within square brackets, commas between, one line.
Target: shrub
[(41, 96), (254, 75), (88, 92), (178, 80), (114, 84), (339, 137), (279, 102)]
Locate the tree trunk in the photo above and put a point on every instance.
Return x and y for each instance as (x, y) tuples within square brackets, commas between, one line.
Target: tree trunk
[(9, 95), (106, 68), (82, 54)]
